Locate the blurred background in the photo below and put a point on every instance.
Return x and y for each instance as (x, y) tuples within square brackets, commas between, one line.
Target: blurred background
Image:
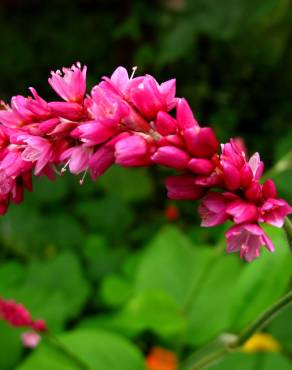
[(86, 257)]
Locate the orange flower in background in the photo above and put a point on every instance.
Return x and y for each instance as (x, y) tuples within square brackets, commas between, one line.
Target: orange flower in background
[(161, 359), (171, 212), (261, 342)]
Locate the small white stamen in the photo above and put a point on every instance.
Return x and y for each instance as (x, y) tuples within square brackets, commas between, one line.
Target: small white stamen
[(134, 69), (64, 168), (81, 181)]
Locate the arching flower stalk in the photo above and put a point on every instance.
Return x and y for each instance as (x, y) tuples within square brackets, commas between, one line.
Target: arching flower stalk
[(133, 122)]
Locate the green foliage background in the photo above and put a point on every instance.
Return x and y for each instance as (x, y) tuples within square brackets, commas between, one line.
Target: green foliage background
[(101, 263)]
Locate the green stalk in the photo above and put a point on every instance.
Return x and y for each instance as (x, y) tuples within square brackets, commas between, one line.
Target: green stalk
[(264, 319), (197, 362)]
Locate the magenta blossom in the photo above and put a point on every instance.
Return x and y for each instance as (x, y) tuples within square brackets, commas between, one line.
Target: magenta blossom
[(213, 208), (247, 239), (70, 86), (273, 212)]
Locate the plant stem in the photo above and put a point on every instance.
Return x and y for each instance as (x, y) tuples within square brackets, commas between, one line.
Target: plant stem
[(288, 230), (226, 347), (67, 352), (264, 319)]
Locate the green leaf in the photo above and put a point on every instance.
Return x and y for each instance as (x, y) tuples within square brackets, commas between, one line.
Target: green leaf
[(53, 290), (196, 278), (257, 361), (262, 282), (11, 346), (115, 290), (237, 360), (209, 311), (281, 330), (149, 311), (273, 361), (99, 350), (171, 263)]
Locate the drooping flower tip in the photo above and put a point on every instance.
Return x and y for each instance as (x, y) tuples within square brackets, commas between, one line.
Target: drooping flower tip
[(247, 239)]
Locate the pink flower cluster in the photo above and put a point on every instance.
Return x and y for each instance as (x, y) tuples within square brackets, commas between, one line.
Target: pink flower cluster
[(17, 315), (126, 120)]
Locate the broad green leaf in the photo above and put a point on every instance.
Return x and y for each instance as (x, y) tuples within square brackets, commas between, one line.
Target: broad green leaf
[(53, 290), (149, 311), (197, 278), (256, 361), (271, 361), (280, 328), (261, 282), (236, 361), (171, 263), (11, 346), (99, 350), (209, 310), (115, 290)]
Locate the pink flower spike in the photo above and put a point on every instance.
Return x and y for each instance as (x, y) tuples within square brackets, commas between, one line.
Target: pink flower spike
[(213, 209), (183, 188), (273, 212), (242, 211), (30, 339), (254, 192), (71, 111), (201, 142), (38, 150), (172, 157), (231, 175), (201, 166), (147, 98), (105, 107), (39, 325), (165, 124), (168, 89), (93, 133), (256, 165), (71, 85), (78, 158), (184, 115), (120, 79), (132, 151), (14, 313), (247, 239), (233, 154), (104, 157), (269, 189)]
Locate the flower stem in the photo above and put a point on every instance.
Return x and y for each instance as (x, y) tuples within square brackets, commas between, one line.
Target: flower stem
[(202, 362), (288, 230), (264, 319), (66, 351)]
